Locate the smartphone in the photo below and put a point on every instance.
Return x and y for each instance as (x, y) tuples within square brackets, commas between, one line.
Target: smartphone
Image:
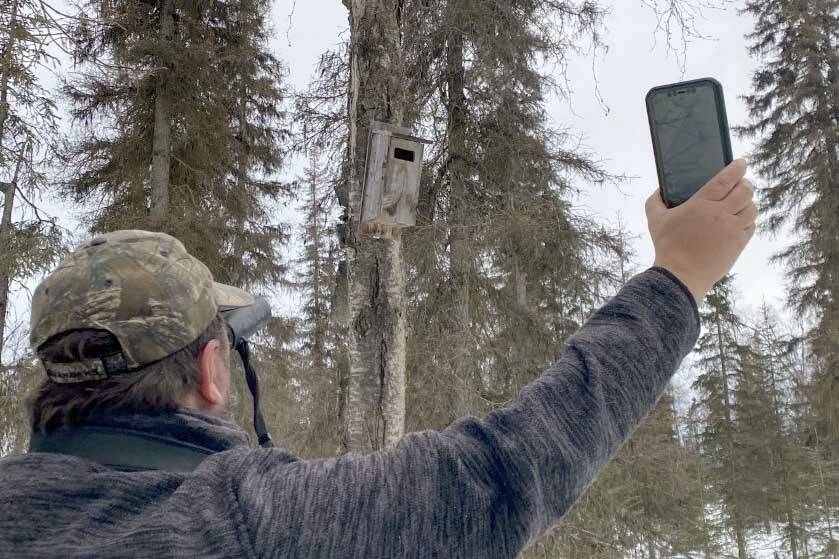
[(691, 139)]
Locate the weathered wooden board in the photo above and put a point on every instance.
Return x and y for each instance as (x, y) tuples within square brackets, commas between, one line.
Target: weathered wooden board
[(392, 177)]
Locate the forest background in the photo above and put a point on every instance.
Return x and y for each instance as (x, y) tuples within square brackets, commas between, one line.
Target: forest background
[(232, 126)]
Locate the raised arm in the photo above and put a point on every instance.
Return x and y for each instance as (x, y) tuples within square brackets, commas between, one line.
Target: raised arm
[(486, 488)]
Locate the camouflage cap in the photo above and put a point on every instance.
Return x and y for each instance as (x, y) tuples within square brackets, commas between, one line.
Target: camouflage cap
[(142, 287)]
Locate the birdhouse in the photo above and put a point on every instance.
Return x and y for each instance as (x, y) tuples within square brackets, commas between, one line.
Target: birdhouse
[(391, 179)]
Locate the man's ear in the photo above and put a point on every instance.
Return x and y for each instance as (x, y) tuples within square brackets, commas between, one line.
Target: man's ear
[(209, 373)]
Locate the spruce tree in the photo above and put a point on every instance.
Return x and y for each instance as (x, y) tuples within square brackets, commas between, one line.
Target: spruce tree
[(720, 364), (16, 380), (322, 125), (317, 334), (31, 240), (659, 494), (706, 535), (783, 438), (181, 129), (794, 113), (502, 267), (747, 436), (820, 473), (755, 427)]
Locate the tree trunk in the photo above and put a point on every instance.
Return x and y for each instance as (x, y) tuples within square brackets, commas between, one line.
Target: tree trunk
[(161, 146), (459, 253), (11, 187), (241, 183), (830, 315), (706, 548), (703, 499), (375, 408), (827, 117), (340, 304), (624, 252), (5, 74), (779, 426), (520, 283), (5, 278), (318, 357), (739, 530), (825, 502)]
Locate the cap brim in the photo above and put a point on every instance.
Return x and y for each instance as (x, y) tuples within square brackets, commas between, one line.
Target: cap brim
[(229, 297)]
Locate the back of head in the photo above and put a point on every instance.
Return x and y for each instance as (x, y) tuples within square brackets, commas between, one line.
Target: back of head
[(119, 324), (158, 387)]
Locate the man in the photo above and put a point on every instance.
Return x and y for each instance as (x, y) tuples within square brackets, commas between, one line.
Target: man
[(481, 488)]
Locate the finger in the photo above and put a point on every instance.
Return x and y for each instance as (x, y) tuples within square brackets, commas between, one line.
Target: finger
[(655, 205), (749, 233), (748, 216), (740, 197), (718, 187)]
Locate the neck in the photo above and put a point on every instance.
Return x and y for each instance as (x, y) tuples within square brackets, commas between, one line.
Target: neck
[(194, 401)]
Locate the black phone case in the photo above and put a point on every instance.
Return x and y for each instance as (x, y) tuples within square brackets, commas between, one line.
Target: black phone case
[(722, 118)]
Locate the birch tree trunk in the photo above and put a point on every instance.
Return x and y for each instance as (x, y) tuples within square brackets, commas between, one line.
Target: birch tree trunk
[(161, 146), (11, 187), (375, 407)]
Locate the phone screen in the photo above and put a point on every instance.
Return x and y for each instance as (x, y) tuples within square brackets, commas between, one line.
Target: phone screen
[(690, 139)]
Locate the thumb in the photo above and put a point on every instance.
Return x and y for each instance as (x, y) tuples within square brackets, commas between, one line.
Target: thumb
[(655, 206), (719, 187)]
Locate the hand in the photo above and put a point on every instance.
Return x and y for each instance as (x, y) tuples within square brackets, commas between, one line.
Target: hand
[(700, 241)]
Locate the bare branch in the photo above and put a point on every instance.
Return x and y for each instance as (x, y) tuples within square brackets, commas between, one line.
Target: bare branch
[(678, 21)]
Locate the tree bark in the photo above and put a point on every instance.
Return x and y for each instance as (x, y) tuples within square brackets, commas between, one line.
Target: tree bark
[(238, 219), (375, 407), (739, 531), (706, 548), (830, 316), (459, 252), (785, 481), (5, 74), (825, 504), (11, 187), (693, 433), (341, 320), (318, 345), (520, 283), (5, 277), (161, 146)]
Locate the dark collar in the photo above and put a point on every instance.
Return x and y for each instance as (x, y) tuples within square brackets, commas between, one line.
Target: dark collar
[(173, 441)]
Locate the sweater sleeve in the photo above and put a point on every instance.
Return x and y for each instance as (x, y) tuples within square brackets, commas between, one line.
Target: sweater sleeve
[(483, 488)]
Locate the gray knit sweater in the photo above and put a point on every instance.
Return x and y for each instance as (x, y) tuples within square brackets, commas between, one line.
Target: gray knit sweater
[(482, 488)]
